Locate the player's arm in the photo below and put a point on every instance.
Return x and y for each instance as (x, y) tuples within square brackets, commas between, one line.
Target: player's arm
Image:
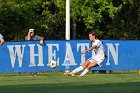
[(91, 48)]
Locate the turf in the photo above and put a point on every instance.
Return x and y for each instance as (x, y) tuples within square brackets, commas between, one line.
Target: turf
[(56, 82)]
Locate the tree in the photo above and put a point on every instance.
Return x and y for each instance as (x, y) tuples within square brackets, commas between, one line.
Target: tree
[(18, 17), (112, 19)]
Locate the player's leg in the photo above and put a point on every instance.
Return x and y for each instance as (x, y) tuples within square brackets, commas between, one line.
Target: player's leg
[(72, 73), (84, 65), (93, 64), (78, 69)]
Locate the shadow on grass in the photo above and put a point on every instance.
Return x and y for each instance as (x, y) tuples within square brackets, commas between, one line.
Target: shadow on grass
[(133, 87)]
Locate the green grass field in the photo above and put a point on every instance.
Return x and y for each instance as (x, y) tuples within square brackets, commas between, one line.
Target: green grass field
[(56, 82)]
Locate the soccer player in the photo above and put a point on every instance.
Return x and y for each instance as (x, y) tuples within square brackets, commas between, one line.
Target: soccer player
[(95, 60), (1, 40)]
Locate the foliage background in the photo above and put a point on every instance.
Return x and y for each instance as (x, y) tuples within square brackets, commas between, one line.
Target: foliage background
[(112, 19)]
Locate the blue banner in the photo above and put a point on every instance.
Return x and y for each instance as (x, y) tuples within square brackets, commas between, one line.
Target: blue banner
[(30, 56)]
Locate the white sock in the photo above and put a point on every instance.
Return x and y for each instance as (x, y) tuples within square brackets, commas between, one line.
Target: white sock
[(84, 72), (77, 69)]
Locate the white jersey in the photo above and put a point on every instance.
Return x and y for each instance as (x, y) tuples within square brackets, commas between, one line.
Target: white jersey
[(99, 53), (99, 47)]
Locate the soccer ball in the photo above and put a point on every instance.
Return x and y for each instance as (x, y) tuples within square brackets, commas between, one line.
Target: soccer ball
[(52, 64)]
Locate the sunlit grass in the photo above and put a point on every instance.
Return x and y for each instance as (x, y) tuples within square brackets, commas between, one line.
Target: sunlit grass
[(56, 82)]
